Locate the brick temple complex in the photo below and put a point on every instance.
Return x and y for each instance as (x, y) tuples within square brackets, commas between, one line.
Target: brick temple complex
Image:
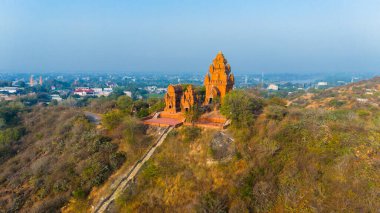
[(180, 99)]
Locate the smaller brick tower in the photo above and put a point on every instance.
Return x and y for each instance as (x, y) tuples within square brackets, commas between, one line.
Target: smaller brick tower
[(173, 99)]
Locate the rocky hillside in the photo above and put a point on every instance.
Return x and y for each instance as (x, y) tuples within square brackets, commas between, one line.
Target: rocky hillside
[(295, 158), (363, 93)]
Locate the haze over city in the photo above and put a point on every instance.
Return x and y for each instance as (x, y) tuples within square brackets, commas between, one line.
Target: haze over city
[(181, 36)]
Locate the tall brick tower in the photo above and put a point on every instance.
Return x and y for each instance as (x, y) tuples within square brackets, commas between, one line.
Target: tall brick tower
[(31, 81), (219, 81)]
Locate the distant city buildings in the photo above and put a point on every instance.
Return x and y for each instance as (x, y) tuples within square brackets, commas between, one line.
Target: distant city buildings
[(272, 87), (4, 97), (322, 83), (86, 91), (341, 82), (142, 86), (17, 83), (107, 91), (161, 90), (9, 90), (111, 84), (151, 89), (56, 97), (97, 90), (9, 93), (155, 89), (128, 93)]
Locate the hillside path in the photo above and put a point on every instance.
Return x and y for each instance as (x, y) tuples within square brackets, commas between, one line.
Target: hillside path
[(104, 203)]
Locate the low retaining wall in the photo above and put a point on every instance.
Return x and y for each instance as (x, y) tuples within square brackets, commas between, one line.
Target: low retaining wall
[(206, 125)]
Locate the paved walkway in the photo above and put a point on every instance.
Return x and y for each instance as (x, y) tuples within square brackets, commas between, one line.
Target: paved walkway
[(104, 203)]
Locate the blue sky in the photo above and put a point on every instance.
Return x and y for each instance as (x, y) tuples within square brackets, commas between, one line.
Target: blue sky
[(168, 36)]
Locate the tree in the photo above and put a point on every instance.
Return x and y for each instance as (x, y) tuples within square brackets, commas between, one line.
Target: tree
[(71, 101), (213, 202), (190, 133), (143, 112), (141, 108), (241, 107), (193, 114), (117, 92), (276, 112), (277, 101), (112, 119), (124, 103), (156, 104), (336, 103)]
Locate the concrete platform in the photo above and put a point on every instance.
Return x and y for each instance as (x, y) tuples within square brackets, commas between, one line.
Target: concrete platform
[(163, 122), (212, 120)]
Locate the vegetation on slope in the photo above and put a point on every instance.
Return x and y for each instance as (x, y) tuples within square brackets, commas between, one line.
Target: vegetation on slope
[(10, 131), (50, 155), (61, 155), (120, 122), (356, 95), (318, 154), (287, 159)]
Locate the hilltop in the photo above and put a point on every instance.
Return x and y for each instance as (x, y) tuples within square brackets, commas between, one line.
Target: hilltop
[(288, 158), (314, 152)]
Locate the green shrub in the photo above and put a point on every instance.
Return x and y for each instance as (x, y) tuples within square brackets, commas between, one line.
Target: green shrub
[(277, 101), (117, 159), (336, 103), (79, 193), (8, 138), (213, 202), (190, 133), (363, 113), (143, 112), (276, 112), (150, 171), (241, 107), (124, 103), (156, 104), (112, 119), (132, 130)]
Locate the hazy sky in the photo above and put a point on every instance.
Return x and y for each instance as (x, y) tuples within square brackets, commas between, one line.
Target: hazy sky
[(184, 36)]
